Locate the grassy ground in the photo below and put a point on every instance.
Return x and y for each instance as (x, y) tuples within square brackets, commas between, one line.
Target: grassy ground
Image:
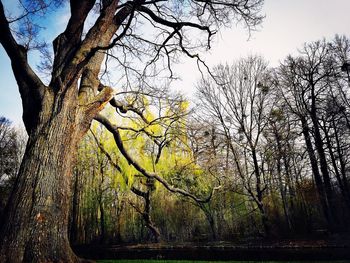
[(191, 261)]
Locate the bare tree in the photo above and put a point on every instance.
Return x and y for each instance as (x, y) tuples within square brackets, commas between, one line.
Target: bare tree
[(313, 87), (238, 101)]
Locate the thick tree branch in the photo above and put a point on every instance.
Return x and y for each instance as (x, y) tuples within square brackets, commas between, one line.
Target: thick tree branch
[(17, 54), (101, 32), (176, 25), (30, 86), (67, 42)]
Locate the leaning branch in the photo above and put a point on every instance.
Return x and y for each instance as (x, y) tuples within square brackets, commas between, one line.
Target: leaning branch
[(30, 86), (117, 138)]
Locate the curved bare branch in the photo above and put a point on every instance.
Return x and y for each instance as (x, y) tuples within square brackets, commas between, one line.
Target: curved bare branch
[(112, 129)]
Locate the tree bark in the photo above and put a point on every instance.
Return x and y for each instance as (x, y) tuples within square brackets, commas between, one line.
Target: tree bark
[(41, 196)]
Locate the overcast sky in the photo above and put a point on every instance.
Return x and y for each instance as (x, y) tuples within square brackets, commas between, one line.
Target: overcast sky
[(288, 24)]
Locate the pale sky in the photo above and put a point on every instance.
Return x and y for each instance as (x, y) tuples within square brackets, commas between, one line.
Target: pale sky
[(288, 24)]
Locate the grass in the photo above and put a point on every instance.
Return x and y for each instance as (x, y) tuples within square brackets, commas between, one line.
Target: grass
[(192, 261)]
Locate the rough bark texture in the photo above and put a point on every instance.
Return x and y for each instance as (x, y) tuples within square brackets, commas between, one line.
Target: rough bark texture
[(42, 191)]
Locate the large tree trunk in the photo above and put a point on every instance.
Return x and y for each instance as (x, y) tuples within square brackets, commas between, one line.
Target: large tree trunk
[(36, 226)]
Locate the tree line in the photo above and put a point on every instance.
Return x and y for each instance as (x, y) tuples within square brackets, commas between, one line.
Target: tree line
[(262, 154)]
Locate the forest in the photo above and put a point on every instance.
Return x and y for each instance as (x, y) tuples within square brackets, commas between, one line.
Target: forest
[(260, 152), (110, 153)]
